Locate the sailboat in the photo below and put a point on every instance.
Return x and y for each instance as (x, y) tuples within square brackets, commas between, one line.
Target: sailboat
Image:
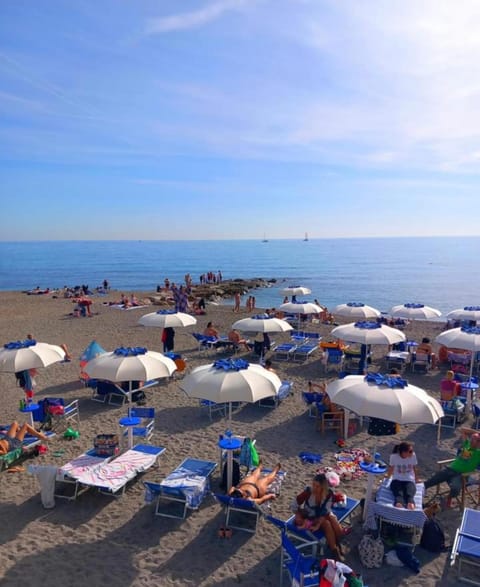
[(306, 237), (265, 239)]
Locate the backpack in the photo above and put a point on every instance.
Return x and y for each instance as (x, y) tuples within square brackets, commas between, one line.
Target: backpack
[(235, 475), (433, 537), (371, 551)]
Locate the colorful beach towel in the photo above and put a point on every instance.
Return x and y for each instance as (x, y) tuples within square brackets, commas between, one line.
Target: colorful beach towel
[(347, 463)]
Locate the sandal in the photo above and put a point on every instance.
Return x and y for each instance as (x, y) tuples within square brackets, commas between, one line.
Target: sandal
[(347, 531), (228, 532), (221, 532)]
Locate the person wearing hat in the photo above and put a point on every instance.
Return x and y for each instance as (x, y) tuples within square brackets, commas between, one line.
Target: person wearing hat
[(467, 460)]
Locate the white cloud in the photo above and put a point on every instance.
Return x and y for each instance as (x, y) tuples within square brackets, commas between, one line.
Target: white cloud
[(191, 20)]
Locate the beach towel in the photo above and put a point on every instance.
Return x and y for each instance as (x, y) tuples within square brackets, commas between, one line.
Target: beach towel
[(193, 487)]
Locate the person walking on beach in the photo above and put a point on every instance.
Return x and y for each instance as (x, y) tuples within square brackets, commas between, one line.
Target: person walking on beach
[(237, 300)]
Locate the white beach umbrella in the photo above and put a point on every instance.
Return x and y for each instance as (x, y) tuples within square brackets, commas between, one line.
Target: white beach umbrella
[(367, 333), (356, 310), (262, 324), (387, 398), (228, 381), (167, 318), (466, 338), (130, 364), (466, 313), (29, 354), (299, 308), (414, 311), (296, 290)]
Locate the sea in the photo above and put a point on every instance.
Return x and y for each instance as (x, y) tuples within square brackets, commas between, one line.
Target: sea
[(442, 272)]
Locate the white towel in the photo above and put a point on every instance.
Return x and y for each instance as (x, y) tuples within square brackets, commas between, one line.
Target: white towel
[(45, 475)]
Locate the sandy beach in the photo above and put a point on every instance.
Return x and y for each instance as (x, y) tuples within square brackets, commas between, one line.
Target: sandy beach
[(98, 540)]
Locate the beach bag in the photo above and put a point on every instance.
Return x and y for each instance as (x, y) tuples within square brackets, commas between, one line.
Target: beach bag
[(371, 552), (433, 536), (106, 445)]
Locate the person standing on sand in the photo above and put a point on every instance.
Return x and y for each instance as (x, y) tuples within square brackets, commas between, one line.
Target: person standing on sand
[(237, 300)]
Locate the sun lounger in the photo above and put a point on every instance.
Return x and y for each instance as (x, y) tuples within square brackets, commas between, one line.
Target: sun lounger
[(301, 353), (286, 389), (466, 547), (244, 514), (383, 510), (112, 477), (29, 446), (67, 484), (187, 485), (285, 351), (313, 540)]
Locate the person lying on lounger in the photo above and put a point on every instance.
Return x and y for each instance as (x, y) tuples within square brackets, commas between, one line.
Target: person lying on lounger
[(254, 486), (13, 438)]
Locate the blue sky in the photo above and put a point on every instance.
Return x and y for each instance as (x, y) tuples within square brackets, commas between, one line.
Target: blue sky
[(174, 119)]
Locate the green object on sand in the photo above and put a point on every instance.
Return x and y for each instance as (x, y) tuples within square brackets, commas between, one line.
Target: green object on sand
[(71, 434)]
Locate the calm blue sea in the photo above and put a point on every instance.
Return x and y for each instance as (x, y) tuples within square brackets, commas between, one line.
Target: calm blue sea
[(439, 272)]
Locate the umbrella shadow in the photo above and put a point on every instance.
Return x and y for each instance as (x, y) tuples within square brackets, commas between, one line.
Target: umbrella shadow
[(265, 574), (181, 419), (200, 564), (300, 428), (61, 388)]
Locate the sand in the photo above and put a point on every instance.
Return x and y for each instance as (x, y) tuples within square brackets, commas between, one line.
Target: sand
[(98, 540)]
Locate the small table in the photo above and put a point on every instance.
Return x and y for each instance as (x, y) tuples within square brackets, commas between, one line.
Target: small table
[(372, 469), (29, 409), (129, 422), (229, 443), (469, 387)]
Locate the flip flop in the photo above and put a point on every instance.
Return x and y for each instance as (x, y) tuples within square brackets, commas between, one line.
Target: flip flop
[(59, 453), (17, 469), (221, 532)]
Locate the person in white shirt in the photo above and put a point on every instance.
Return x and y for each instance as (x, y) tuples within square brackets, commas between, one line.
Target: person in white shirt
[(404, 474)]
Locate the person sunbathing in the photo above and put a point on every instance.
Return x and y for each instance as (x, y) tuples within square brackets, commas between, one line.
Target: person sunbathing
[(254, 486), (13, 438)]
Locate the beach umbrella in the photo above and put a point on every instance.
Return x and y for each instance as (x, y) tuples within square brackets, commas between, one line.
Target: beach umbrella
[(262, 324), (386, 398), (227, 381), (356, 310), (471, 313), (130, 364), (367, 333), (296, 290), (414, 311), (466, 338), (93, 350), (167, 318), (29, 354), (300, 309)]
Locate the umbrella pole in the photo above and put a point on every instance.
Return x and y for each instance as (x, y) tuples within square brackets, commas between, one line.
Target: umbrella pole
[(470, 390)]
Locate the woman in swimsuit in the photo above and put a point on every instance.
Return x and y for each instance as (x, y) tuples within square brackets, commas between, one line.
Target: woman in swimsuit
[(13, 438), (255, 485), (314, 513)]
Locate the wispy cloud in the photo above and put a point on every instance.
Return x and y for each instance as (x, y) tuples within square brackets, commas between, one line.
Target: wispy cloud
[(191, 20)]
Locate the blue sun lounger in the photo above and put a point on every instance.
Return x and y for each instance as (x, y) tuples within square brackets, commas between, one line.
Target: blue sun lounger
[(29, 445), (187, 486), (307, 538), (466, 547)]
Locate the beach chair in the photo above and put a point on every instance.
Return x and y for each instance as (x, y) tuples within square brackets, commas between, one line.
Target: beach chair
[(284, 351), (112, 477), (147, 424), (56, 416), (334, 359), (286, 389), (421, 362), (303, 570), (313, 400), (185, 488), (212, 408), (303, 352), (244, 514), (314, 542), (383, 511), (466, 547), (29, 447), (67, 484)]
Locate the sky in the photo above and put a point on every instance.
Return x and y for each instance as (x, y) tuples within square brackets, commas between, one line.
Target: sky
[(221, 119)]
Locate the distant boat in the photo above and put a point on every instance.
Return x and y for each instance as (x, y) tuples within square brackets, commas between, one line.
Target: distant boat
[(265, 239), (306, 237)]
